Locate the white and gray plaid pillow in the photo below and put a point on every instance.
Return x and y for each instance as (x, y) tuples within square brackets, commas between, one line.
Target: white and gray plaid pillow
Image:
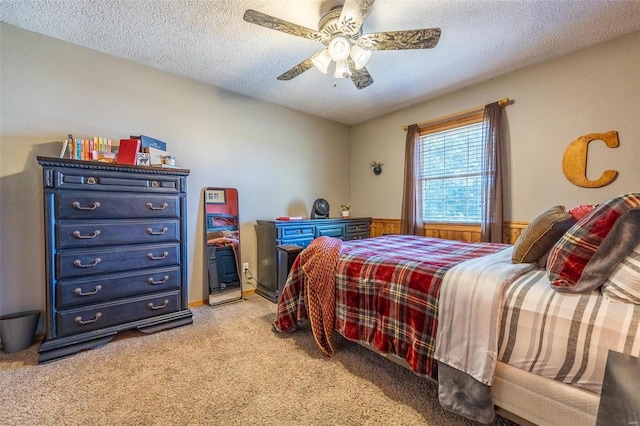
[(624, 282)]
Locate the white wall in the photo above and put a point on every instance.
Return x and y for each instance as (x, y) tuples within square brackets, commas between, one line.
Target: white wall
[(279, 160), (591, 91)]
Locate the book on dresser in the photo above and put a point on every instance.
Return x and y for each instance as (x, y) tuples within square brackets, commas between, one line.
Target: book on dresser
[(128, 151), (115, 252)]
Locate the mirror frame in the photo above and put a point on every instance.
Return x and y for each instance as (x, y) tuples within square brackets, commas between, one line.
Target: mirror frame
[(221, 233)]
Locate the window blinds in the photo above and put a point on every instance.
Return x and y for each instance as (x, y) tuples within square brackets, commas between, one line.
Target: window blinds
[(451, 174)]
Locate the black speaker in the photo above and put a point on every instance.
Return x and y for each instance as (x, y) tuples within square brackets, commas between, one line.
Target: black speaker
[(320, 209)]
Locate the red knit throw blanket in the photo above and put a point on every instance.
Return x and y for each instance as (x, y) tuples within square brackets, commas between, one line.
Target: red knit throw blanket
[(317, 264)]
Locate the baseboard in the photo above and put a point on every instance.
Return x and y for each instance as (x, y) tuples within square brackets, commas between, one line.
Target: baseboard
[(247, 293), (198, 303)]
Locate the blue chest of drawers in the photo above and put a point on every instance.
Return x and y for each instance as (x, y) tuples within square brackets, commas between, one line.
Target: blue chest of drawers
[(115, 252), (273, 233)]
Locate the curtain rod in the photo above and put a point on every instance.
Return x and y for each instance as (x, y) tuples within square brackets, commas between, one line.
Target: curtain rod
[(502, 102)]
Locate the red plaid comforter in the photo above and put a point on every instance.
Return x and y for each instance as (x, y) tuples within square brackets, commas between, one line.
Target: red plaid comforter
[(387, 291)]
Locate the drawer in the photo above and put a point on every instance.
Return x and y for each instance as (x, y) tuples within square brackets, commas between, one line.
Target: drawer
[(78, 262), (357, 236), (99, 205), (76, 321), (115, 286), (336, 231), (357, 227), (88, 233), (100, 180), (300, 242), (295, 232)]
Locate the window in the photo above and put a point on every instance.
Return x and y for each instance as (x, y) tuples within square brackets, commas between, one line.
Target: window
[(451, 172)]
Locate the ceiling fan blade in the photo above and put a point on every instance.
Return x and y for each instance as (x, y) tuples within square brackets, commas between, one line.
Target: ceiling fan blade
[(354, 12), (277, 24), (398, 40), (361, 78), (297, 70)]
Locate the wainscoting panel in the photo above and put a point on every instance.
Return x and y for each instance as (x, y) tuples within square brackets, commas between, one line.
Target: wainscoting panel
[(512, 230), (381, 227), (450, 231)]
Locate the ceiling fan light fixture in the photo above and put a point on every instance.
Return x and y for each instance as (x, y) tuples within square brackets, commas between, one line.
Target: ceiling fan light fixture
[(339, 48), (321, 61), (360, 56), (342, 70), (339, 30)]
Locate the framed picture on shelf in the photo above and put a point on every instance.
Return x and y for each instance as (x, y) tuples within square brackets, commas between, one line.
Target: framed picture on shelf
[(215, 196), (143, 159)]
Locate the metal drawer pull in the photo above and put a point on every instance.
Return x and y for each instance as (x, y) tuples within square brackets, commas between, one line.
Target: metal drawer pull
[(164, 304), (152, 232), (77, 205), (92, 180), (152, 257), (162, 281), (86, 237), (79, 320), (94, 262), (164, 206), (79, 292)]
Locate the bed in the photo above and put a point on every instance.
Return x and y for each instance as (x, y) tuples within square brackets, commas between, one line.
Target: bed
[(495, 327)]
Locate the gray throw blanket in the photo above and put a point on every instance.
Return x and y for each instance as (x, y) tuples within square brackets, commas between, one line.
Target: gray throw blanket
[(468, 328), (462, 394)]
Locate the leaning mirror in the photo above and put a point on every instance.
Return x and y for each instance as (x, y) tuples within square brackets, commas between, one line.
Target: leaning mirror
[(222, 245)]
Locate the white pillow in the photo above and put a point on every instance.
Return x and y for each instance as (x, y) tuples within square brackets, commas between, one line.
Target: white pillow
[(624, 282)]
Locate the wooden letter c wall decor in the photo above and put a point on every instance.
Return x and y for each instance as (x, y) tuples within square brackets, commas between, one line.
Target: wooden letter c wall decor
[(574, 160)]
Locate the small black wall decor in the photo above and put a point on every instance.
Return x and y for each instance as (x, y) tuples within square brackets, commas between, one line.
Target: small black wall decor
[(377, 167)]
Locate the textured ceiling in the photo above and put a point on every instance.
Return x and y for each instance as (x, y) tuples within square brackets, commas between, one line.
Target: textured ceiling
[(207, 40)]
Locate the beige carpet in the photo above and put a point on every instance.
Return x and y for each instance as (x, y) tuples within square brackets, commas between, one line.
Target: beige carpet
[(228, 368)]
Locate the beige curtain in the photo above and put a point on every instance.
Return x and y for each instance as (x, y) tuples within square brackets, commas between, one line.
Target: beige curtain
[(494, 133), (411, 218)]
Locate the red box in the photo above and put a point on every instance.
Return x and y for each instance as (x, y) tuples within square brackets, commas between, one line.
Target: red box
[(128, 151)]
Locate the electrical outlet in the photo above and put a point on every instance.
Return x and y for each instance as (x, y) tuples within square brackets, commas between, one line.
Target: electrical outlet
[(245, 267)]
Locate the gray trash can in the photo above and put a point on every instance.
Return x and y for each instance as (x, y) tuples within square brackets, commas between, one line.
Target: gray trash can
[(18, 330)]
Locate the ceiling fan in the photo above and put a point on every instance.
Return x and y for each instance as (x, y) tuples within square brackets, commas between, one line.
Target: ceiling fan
[(340, 30)]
